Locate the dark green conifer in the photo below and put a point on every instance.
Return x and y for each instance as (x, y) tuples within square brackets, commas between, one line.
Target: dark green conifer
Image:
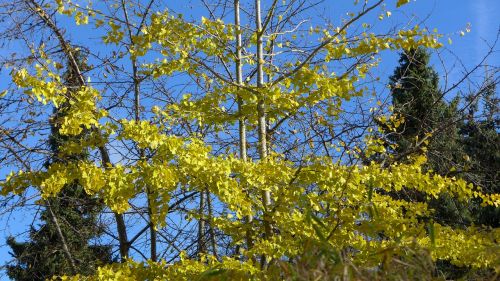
[(416, 97), (481, 143), (72, 213)]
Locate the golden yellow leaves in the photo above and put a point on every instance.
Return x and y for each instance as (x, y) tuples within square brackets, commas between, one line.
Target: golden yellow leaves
[(159, 180), (350, 200), (402, 2), (342, 206), (16, 183), (115, 34), (145, 134), (370, 43), (44, 91), (47, 87), (465, 247), (81, 18), (82, 113)]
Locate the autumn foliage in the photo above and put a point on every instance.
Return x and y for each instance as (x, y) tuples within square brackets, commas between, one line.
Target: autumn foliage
[(275, 207)]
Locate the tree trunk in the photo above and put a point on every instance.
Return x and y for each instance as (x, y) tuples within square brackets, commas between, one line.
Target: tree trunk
[(66, 251), (241, 121), (261, 112), (201, 225)]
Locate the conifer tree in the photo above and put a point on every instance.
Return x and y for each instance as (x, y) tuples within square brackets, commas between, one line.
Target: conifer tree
[(469, 148), (426, 116), (451, 143), (62, 242), (417, 99), (481, 142)]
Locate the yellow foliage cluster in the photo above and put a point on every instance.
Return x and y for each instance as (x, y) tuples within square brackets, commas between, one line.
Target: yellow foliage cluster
[(343, 206)]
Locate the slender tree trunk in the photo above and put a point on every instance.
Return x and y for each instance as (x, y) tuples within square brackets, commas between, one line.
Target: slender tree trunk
[(152, 232), (120, 221), (211, 228), (201, 225), (122, 236), (137, 113), (241, 121), (239, 81), (261, 112), (66, 251)]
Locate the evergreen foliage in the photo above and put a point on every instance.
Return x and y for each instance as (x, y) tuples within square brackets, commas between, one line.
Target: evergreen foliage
[(481, 141), (470, 149), (417, 99), (77, 217), (419, 102)]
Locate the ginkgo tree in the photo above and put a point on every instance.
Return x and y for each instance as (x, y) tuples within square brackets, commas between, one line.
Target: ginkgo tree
[(195, 122)]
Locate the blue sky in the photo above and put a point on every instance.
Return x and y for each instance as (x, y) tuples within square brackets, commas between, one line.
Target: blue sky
[(451, 17), (448, 16)]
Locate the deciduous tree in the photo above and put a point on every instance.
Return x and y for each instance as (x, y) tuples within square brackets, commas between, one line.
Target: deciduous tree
[(169, 163)]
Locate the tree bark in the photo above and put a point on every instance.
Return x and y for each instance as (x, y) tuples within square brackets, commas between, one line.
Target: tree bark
[(201, 225), (211, 227), (241, 121), (66, 251), (137, 114), (262, 124)]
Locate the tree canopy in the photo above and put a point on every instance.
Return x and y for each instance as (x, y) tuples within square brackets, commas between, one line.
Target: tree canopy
[(227, 147)]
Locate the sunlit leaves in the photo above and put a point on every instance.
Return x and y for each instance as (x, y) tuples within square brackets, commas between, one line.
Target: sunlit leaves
[(341, 206), (402, 2)]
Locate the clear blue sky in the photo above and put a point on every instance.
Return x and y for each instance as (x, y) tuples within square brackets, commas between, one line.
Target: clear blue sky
[(448, 16), (451, 16)]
